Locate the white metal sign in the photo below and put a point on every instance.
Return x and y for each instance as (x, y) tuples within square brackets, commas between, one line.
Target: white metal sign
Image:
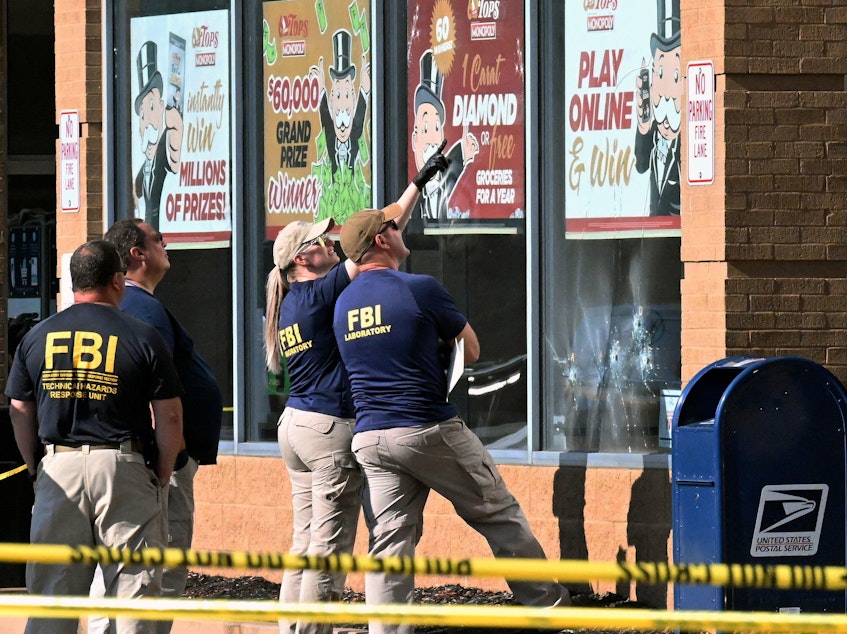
[(69, 176), (789, 520), (700, 137)]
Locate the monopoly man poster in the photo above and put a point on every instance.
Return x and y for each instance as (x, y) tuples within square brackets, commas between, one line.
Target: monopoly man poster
[(466, 86), (624, 100), (317, 112), (180, 113)]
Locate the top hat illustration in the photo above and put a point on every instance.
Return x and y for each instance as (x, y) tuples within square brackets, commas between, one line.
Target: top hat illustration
[(666, 37), (148, 72), (432, 81), (341, 66)]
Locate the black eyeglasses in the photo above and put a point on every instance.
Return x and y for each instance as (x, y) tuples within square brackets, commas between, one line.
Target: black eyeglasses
[(321, 240), (388, 224)]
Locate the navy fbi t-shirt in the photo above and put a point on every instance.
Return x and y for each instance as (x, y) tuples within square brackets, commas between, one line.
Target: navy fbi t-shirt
[(318, 379), (388, 325), (92, 372), (202, 402)]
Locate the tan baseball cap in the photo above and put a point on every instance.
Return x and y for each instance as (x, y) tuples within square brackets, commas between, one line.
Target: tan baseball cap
[(360, 229), (295, 235)]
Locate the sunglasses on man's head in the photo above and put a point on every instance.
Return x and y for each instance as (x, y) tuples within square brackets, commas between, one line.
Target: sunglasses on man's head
[(321, 240)]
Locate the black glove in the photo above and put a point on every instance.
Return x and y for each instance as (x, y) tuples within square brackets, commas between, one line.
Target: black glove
[(434, 164)]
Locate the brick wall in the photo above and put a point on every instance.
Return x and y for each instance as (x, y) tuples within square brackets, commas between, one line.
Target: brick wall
[(79, 86), (782, 144), (576, 513)]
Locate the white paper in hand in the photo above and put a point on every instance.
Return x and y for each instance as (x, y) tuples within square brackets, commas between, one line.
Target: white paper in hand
[(457, 365)]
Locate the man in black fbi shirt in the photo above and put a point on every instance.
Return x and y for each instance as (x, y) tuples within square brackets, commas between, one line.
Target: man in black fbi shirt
[(81, 389)]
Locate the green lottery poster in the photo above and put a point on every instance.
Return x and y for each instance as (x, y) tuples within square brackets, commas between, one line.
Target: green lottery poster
[(317, 110)]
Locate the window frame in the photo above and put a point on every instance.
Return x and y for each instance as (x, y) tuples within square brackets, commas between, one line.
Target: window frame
[(544, 166)]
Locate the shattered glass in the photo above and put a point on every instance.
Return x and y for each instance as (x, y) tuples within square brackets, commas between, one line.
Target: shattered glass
[(612, 343)]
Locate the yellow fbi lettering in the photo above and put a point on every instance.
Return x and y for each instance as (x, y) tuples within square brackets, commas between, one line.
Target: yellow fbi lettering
[(365, 317), (85, 348), (290, 336), (292, 341), (365, 322)]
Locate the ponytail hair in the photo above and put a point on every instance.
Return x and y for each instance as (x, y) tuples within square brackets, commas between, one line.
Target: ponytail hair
[(276, 287)]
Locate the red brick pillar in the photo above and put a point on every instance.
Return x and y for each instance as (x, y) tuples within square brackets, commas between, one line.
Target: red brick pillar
[(703, 224), (79, 86)]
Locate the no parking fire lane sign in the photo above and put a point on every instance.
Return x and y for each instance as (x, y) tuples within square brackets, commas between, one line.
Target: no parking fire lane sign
[(701, 123), (69, 163)]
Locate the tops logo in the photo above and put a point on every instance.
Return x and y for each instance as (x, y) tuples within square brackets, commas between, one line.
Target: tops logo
[(484, 9), (291, 26), (595, 5), (202, 37)]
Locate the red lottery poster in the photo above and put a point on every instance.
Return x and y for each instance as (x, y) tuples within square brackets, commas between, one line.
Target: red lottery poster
[(466, 79)]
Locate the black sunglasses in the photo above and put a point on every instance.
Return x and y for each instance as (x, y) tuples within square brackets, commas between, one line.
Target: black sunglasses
[(388, 224)]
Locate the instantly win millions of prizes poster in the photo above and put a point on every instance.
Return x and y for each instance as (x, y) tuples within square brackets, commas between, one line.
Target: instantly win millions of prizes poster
[(317, 112), (180, 113), (466, 75), (624, 97)]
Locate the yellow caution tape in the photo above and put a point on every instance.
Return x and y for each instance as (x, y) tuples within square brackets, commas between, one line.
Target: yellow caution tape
[(565, 571), (12, 472), (505, 616)]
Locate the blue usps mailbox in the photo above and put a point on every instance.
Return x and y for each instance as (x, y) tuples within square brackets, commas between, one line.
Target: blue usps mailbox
[(759, 473)]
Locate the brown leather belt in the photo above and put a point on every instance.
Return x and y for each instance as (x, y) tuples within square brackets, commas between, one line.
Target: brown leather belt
[(134, 445)]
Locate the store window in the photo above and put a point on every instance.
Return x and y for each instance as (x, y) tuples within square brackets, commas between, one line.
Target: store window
[(556, 230), (173, 150), (611, 272), (466, 79), (317, 135), (612, 342)]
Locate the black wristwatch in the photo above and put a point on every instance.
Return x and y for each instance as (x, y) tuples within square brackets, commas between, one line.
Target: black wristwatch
[(181, 460)]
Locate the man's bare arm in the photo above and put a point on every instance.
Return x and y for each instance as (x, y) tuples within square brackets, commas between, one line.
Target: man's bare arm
[(25, 425), (471, 343), (167, 414)]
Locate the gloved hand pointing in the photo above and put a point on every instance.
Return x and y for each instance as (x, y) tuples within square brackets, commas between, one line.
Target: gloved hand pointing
[(434, 164)]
